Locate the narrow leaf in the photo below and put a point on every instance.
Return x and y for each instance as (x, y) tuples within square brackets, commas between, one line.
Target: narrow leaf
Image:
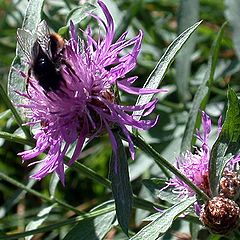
[(154, 185), (158, 73), (15, 81), (232, 15), (94, 229), (228, 142), (161, 222), (188, 15), (121, 186), (202, 93), (53, 184), (194, 230), (37, 222)]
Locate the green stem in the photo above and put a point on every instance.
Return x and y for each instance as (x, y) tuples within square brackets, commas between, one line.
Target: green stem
[(9, 105), (175, 106), (91, 174), (59, 224), (139, 142), (13, 138), (37, 194), (218, 91)]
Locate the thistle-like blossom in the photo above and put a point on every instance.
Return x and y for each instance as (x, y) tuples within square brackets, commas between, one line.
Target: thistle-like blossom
[(195, 165), (86, 105)]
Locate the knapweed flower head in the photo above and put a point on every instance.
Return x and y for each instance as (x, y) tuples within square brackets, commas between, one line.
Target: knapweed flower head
[(85, 105), (195, 165), (220, 215)]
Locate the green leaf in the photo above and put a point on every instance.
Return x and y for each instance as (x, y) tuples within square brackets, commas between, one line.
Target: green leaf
[(158, 73), (94, 229), (154, 185), (121, 186), (15, 81), (202, 93), (5, 114), (161, 222), (38, 221), (188, 14), (53, 184), (79, 13), (228, 142), (232, 15), (140, 214), (194, 230)]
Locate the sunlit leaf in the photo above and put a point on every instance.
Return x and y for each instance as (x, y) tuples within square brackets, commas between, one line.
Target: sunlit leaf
[(161, 222), (15, 81), (232, 15), (94, 229), (188, 14), (38, 220), (158, 73)]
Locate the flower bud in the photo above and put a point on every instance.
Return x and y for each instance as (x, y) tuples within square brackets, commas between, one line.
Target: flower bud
[(220, 215)]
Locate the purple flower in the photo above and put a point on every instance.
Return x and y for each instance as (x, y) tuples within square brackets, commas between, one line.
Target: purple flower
[(195, 165), (85, 106)]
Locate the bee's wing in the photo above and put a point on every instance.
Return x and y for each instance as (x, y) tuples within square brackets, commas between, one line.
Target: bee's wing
[(43, 37), (25, 41)]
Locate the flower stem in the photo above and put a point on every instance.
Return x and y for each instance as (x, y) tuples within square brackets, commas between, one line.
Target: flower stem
[(9, 104), (139, 142), (14, 138)]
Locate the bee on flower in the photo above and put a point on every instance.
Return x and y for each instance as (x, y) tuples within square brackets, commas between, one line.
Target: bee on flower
[(83, 104)]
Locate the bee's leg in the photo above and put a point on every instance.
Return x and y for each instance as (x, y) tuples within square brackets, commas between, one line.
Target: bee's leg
[(28, 80), (69, 67), (63, 61)]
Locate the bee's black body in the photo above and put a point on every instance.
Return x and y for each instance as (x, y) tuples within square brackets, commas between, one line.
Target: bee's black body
[(44, 55), (47, 71)]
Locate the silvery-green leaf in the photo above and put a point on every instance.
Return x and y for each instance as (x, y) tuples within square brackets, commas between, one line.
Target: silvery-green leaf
[(188, 14), (30, 22), (162, 221), (38, 220), (94, 229), (232, 15), (158, 73)]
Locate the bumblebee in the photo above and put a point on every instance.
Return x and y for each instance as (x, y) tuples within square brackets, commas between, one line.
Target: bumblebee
[(43, 51)]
